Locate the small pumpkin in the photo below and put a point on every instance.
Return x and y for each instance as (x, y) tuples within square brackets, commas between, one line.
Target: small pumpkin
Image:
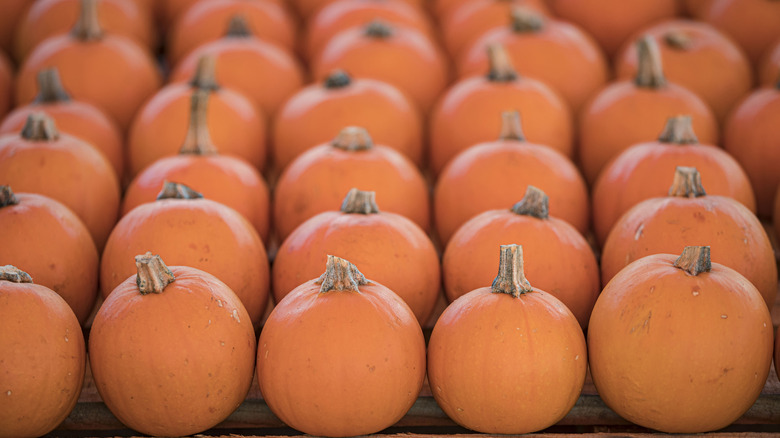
[(768, 70), (13, 11), (6, 84), (309, 8), (340, 355)]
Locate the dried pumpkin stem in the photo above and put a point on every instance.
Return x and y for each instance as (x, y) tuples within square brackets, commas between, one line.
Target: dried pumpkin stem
[(14, 275), (378, 29), (340, 275), (694, 260), (511, 127), (238, 27), (87, 27), (687, 183), (198, 140), (173, 190), (535, 203), (153, 276), (50, 89), (677, 39), (650, 73), (511, 278), (40, 127), (526, 20), (353, 138), (7, 197), (501, 68), (337, 79), (359, 202), (678, 130), (205, 77)]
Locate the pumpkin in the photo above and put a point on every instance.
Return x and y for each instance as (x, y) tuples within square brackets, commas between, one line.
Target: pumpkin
[(550, 50), (317, 180), (680, 344), (391, 249), (507, 358), (445, 9), (6, 84), (42, 357), (637, 174), (550, 245), (226, 179), (688, 216), (402, 56), (469, 112), (768, 70), (171, 350), (109, 71), (74, 117), (495, 174), (43, 161), (13, 12), (264, 72), (48, 241), (750, 134), (626, 112), (340, 355), (309, 8), (340, 100), (698, 57), (189, 230)]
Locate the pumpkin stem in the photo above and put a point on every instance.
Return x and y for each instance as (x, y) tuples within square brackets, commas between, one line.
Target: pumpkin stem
[(535, 203), (337, 79), (50, 89), (205, 77), (238, 27), (7, 197), (378, 29), (678, 39), (87, 27), (650, 73), (198, 140), (694, 260), (153, 276), (525, 20), (511, 127), (678, 130), (40, 127), (501, 68), (353, 138), (511, 278), (340, 275), (359, 202), (687, 183), (173, 190), (14, 275)]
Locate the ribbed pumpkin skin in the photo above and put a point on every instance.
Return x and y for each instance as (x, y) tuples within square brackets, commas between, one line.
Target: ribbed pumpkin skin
[(679, 353), (42, 360)]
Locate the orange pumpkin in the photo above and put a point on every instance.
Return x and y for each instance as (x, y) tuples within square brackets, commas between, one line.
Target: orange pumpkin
[(688, 216), (469, 112), (768, 70), (42, 357), (317, 180), (492, 175), (309, 8), (507, 358), (391, 249), (191, 231), (6, 84), (77, 118), (627, 112), (341, 355), (550, 245), (171, 350), (223, 178), (680, 344), (41, 160), (340, 100), (47, 240), (402, 56), (638, 173)]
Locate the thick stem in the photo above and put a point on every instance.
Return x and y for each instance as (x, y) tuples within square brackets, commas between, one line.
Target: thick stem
[(501, 68), (238, 27), (511, 278), (378, 29), (205, 77), (694, 260), (340, 275), (650, 73), (198, 140), (359, 202), (173, 190), (50, 89), (678, 40), (353, 138), (511, 127), (153, 276), (525, 20), (7, 197), (687, 183), (40, 127), (678, 130), (337, 79), (87, 27), (14, 275), (535, 203)]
